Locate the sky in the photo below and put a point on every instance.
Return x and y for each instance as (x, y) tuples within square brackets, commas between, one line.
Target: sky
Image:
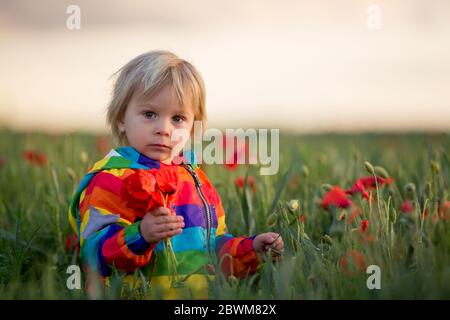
[(306, 66)]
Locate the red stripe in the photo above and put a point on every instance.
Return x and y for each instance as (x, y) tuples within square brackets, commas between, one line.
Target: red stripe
[(106, 181)]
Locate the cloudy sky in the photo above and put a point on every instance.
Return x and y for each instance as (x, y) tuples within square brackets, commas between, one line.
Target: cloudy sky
[(301, 65)]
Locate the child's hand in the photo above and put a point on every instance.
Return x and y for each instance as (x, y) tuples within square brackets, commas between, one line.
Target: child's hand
[(269, 240), (158, 225)]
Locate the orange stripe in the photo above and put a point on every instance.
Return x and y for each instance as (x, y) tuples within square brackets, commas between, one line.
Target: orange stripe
[(111, 202)]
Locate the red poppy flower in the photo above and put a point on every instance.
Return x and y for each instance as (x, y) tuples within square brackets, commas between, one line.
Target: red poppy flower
[(29, 156), (103, 144), (369, 182), (146, 190), (239, 150), (425, 214), (353, 261), (302, 218), (364, 225), (167, 179), (158, 199), (34, 157), (358, 187), (137, 189), (407, 206), (293, 182), (337, 197), (365, 238), (239, 182), (444, 211), (41, 159)]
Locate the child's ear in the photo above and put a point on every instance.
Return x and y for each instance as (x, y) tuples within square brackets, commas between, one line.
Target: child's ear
[(121, 126)]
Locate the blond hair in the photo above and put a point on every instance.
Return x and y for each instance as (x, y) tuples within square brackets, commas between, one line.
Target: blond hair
[(151, 72)]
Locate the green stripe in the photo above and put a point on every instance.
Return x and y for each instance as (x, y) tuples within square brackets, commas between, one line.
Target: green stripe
[(117, 162), (188, 262), (132, 232)]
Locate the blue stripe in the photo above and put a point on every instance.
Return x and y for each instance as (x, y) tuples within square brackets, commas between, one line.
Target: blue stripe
[(133, 155), (136, 243), (91, 251), (190, 239), (104, 268)]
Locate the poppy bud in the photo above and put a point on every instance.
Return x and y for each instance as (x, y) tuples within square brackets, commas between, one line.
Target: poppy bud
[(293, 205), (305, 171), (435, 167), (369, 167), (410, 187), (326, 238), (272, 220), (84, 157), (71, 173), (234, 282), (393, 216), (326, 187), (380, 171), (428, 190)]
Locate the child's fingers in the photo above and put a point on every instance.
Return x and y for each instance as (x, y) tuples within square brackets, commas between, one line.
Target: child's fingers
[(274, 237), (160, 211), (279, 244), (169, 233), (277, 247), (169, 226), (168, 219)]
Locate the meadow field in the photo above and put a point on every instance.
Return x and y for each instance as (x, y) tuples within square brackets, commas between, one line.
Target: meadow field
[(362, 199)]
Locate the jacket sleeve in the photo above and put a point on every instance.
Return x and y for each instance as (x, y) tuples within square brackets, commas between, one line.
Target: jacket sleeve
[(235, 255), (109, 233)]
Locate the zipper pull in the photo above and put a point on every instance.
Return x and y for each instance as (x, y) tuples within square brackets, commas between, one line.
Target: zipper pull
[(194, 175)]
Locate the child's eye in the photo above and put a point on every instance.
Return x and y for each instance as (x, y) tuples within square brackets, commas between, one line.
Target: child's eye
[(178, 119), (149, 114)]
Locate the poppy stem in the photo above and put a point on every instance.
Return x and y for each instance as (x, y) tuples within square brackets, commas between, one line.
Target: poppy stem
[(173, 263)]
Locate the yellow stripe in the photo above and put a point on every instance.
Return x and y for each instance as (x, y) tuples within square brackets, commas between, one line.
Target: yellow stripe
[(195, 287), (220, 226), (99, 164), (118, 172), (73, 223)]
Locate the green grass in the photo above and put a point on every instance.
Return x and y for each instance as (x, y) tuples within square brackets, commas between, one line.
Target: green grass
[(413, 253)]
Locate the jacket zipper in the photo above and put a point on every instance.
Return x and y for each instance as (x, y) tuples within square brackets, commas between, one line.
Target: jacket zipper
[(198, 186)]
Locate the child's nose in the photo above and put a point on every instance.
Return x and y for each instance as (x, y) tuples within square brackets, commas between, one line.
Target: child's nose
[(163, 128)]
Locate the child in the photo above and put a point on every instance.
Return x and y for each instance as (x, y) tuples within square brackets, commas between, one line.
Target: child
[(155, 94)]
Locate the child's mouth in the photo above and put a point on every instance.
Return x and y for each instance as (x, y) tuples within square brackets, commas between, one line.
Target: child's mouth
[(159, 146)]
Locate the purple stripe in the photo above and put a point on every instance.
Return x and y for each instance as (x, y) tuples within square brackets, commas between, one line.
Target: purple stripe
[(152, 164), (194, 215), (221, 240)]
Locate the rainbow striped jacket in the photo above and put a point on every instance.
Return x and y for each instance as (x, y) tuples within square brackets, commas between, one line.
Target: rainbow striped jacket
[(108, 230)]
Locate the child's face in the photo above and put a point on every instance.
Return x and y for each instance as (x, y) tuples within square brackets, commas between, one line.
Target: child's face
[(149, 123)]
